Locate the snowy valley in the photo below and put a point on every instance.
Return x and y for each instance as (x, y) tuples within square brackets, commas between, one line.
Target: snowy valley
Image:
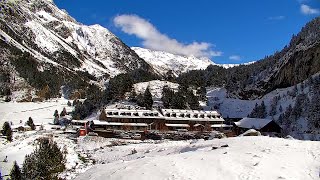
[(77, 103)]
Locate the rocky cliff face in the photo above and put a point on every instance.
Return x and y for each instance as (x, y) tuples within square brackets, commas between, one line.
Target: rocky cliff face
[(295, 63)]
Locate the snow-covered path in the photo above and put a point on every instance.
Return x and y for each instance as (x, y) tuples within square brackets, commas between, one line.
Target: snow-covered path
[(246, 158)]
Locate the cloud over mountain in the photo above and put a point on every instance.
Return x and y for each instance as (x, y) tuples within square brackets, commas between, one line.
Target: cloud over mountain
[(155, 40)]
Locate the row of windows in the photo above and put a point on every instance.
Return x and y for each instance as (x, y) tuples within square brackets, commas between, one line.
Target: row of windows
[(131, 114), (193, 116)]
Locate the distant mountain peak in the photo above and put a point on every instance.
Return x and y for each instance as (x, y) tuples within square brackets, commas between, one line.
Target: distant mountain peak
[(163, 61)]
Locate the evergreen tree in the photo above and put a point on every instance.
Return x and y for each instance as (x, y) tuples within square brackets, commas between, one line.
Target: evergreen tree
[(15, 173), (254, 112), (56, 113), (280, 109), (74, 103), (133, 96), (6, 131), (259, 111), (46, 162), (31, 124), (103, 115), (192, 100), (63, 112), (314, 112), (178, 101), (274, 103), (262, 110), (140, 100), (148, 102), (69, 103), (167, 95)]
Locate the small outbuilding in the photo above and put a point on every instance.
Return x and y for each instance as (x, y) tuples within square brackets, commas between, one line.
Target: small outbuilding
[(262, 125)]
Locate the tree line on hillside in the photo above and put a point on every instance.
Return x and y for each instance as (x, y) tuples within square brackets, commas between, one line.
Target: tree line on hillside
[(248, 81), (184, 98), (45, 78), (115, 91), (305, 106)]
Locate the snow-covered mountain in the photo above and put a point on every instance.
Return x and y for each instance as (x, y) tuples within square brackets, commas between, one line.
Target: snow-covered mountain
[(39, 27), (163, 62), (58, 43)]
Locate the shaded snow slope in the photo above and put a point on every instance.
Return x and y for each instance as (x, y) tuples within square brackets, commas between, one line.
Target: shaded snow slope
[(279, 99), (261, 158)]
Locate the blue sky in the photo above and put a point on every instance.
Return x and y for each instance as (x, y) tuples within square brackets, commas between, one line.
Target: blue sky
[(229, 31)]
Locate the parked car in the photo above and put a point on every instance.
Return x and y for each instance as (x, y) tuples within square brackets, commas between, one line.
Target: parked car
[(136, 136), (92, 134), (125, 136)]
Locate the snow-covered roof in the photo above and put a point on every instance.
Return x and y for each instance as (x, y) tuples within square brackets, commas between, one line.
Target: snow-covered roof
[(178, 125), (133, 113), (79, 121), (97, 122), (254, 123), (192, 115), (221, 126)]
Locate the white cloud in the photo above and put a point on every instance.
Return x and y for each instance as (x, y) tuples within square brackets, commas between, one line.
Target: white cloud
[(153, 39), (235, 57), (307, 10), (275, 18)]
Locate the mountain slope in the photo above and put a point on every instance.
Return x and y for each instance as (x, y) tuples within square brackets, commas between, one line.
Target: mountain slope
[(292, 65), (163, 62), (57, 41)]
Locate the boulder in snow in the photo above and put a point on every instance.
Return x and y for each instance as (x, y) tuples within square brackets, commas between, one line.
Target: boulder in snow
[(251, 132)]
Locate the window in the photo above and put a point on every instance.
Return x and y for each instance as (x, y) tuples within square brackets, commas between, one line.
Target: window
[(168, 114), (209, 116), (109, 113), (195, 115), (202, 115), (174, 114), (123, 113), (116, 113), (128, 114), (188, 115), (181, 115), (136, 114)]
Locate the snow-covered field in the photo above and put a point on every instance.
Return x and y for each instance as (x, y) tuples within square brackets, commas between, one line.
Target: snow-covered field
[(244, 158), (41, 113), (249, 158), (24, 143)]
